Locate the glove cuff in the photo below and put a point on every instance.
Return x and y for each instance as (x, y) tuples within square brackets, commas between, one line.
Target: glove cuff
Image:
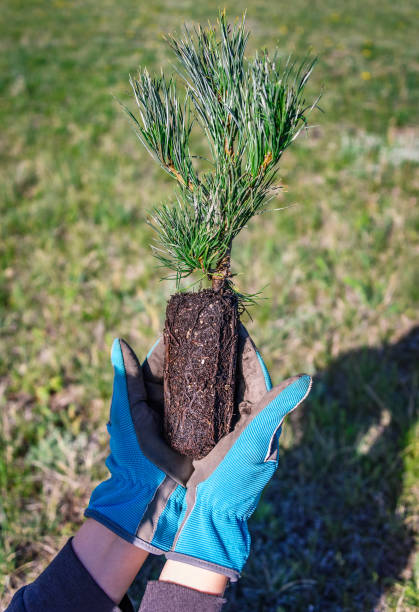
[(231, 573), (121, 532)]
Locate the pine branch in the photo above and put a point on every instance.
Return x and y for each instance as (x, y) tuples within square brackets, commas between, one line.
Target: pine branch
[(250, 111), (213, 70), (165, 126)]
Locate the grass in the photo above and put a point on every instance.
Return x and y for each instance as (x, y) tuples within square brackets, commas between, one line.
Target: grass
[(337, 529)]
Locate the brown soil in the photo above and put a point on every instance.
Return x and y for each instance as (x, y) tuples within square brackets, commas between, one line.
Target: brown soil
[(200, 336)]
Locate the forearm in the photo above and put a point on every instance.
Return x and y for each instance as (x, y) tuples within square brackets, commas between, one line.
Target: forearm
[(66, 585), (111, 561), (193, 577), (184, 588), (114, 563)]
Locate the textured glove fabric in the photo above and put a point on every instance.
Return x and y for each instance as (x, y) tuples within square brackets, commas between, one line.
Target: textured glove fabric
[(139, 492), (226, 485), (161, 596), (195, 511)]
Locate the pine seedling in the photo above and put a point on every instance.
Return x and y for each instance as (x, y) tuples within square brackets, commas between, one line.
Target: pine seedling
[(250, 111)]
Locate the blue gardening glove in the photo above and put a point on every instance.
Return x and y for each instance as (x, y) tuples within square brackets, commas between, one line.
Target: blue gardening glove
[(146, 486), (225, 487)]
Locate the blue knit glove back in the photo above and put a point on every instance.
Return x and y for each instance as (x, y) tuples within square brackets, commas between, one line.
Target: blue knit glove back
[(146, 486), (226, 485)]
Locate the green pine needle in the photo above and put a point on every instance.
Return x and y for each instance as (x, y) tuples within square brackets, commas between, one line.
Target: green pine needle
[(250, 111)]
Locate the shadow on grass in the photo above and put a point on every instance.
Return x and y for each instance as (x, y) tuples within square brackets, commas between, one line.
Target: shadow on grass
[(330, 532)]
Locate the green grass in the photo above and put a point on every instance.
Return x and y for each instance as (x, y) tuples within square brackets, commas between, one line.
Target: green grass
[(337, 529)]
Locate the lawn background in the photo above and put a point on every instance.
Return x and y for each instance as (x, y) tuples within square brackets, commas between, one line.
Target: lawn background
[(339, 271)]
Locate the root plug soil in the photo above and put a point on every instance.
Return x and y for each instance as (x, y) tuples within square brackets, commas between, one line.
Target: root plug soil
[(200, 337)]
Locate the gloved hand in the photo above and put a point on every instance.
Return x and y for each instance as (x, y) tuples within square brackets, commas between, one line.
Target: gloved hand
[(225, 487), (143, 499)]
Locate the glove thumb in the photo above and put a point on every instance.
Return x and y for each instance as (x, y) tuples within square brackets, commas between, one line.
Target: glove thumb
[(146, 421)]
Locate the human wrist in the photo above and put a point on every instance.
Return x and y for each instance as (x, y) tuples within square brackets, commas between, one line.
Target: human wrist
[(193, 577)]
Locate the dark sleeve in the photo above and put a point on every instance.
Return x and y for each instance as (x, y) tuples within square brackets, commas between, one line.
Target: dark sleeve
[(163, 596), (65, 586)]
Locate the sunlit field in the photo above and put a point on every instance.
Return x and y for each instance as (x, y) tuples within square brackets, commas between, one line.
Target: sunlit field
[(338, 269)]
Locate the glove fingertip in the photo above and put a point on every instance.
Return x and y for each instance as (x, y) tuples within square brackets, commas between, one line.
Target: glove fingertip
[(150, 352), (266, 375), (306, 382), (301, 389), (116, 352), (296, 393)]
